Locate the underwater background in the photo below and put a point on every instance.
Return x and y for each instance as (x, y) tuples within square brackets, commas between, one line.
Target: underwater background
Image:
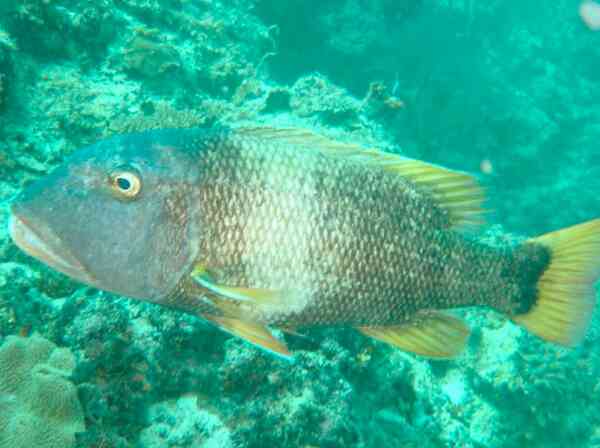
[(509, 90)]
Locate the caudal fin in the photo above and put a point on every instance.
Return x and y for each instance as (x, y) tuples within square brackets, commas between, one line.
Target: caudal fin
[(565, 295)]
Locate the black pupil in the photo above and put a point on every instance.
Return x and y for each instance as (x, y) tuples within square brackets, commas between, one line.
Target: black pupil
[(123, 184)]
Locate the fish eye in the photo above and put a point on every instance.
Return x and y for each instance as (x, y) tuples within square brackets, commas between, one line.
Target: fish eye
[(126, 183)]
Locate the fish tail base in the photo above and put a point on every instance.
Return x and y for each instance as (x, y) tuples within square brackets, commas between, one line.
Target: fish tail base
[(558, 307)]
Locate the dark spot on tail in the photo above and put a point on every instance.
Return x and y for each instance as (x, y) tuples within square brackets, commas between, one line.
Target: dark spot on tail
[(531, 260)]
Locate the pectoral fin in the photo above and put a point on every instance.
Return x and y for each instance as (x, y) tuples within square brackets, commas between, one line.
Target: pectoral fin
[(254, 333), (436, 335), (257, 296)]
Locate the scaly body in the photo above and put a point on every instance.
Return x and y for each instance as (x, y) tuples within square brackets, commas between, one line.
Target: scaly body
[(349, 243), (252, 228)]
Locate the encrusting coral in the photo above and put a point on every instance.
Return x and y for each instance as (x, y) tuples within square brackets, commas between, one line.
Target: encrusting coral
[(39, 406)]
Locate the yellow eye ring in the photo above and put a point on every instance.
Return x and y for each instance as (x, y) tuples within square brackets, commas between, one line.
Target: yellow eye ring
[(126, 184)]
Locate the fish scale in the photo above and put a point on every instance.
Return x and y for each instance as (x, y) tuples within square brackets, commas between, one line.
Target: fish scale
[(385, 251), (261, 227)]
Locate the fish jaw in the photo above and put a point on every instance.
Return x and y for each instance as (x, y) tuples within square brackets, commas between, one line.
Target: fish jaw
[(38, 241)]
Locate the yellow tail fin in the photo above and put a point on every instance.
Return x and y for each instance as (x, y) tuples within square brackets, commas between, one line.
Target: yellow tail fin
[(565, 291)]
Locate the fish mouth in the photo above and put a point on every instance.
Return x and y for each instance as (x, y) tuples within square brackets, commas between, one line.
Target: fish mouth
[(41, 243)]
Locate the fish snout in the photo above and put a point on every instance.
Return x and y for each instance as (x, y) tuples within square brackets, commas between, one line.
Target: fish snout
[(37, 239)]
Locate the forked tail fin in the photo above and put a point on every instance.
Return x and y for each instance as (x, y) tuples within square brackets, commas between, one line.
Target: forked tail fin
[(565, 295)]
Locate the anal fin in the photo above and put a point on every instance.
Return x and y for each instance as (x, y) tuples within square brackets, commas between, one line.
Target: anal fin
[(435, 335), (252, 332)]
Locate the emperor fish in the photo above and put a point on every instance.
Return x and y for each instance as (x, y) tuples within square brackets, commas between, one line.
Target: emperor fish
[(258, 228)]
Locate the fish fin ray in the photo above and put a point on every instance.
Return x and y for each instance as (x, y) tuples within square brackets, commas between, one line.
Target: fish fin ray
[(303, 137), (254, 296), (565, 298), (228, 308), (252, 332), (456, 192), (435, 335)]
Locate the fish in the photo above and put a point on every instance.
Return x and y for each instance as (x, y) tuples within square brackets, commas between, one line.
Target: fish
[(257, 229)]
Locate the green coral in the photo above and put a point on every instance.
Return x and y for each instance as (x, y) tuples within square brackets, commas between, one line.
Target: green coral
[(39, 406)]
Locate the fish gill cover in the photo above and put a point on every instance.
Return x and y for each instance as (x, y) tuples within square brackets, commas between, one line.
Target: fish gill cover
[(507, 90)]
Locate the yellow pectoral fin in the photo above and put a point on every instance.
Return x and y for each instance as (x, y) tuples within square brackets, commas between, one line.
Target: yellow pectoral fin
[(437, 335), (257, 296), (254, 333)]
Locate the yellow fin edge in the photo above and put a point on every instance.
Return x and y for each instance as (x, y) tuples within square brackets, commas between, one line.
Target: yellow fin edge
[(254, 333), (566, 296), (256, 296), (435, 335)]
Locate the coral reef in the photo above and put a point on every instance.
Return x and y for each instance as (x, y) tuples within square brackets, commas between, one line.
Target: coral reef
[(38, 403), (486, 87), (184, 423)]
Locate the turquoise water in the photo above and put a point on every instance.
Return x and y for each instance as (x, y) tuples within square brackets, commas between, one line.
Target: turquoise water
[(503, 89)]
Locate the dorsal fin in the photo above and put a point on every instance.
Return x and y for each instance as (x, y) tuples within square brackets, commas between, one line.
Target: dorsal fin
[(458, 193), (304, 138)]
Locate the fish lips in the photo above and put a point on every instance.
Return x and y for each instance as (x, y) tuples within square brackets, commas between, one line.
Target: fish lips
[(39, 241)]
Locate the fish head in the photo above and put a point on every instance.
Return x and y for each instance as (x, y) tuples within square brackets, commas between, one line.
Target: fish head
[(117, 215)]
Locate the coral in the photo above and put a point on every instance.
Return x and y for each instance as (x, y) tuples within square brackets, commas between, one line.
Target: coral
[(149, 58), (381, 102), (55, 31), (184, 422), (458, 83), (39, 403), (156, 115), (316, 95), (7, 47), (300, 405)]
